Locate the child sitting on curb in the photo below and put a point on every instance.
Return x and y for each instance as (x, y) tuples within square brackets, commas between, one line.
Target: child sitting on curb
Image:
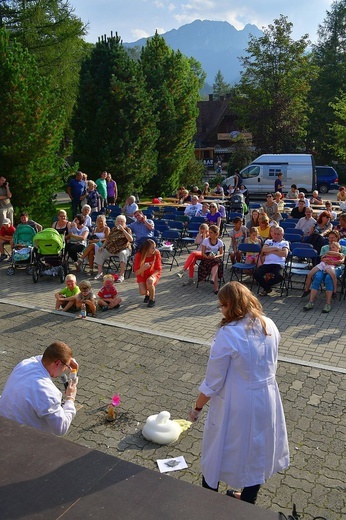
[(86, 296), (108, 298), (66, 298)]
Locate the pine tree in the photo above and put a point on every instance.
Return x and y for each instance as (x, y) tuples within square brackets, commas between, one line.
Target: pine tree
[(54, 35), (114, 125), (31, 127), (220, 87), (174, 89)]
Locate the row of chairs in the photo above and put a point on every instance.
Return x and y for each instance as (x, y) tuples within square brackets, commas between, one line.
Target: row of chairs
[(301, 259)]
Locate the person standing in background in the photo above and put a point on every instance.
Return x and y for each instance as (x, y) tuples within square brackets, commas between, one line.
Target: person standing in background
[(101, 184), (6, 208)]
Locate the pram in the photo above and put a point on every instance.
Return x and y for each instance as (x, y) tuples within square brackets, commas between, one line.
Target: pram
[(236, 205), (22, 252), (48, 255)]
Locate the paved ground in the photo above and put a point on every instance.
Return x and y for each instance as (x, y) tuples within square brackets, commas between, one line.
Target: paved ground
[(155, 358)]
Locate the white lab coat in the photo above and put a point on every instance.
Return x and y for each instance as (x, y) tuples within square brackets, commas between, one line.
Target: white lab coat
[(245, 437), (30, 397)]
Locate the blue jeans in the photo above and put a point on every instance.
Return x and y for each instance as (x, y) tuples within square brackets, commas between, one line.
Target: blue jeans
[(321, 276)]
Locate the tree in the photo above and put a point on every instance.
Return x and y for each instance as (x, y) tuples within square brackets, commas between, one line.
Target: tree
[(329, 56), (274, 87), (174, 89), (220, 87), (31, 127), (54, 35), (338, 127), (114, 124), (242, 155)]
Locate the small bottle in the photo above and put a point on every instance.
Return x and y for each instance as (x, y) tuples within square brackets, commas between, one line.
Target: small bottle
[(73, 374), (83, 310)]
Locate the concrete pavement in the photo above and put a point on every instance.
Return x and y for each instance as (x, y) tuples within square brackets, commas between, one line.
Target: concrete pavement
[(156, 358)]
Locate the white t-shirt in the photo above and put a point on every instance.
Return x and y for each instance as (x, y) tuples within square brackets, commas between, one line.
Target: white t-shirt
[(272, 258), (209, 248)]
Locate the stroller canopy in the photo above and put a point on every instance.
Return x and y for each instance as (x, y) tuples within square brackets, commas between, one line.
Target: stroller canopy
[(24, 235), (49, 242)]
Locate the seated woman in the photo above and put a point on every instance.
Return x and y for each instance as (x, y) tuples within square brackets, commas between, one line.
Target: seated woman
[(253, 222), (329, 261), (98, 237), (341, 227), (189, 265), (323, 277), (212, 254), (117, 243), (214, 216), (77, 237), (62, 225), (206, 190), (147, 267), (320, 231), (264, 227)]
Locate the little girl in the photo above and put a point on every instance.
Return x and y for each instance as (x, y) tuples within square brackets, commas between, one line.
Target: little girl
[(329, 261), (238, 235), (253, 238), (147, 267), (86, 296), (203, 233), (108, 298)]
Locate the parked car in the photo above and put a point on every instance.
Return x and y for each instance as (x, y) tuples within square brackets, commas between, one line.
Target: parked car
[(259, 177), (327, 179)]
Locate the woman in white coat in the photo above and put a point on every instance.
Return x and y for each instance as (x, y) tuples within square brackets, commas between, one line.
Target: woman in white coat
[(245, 437)]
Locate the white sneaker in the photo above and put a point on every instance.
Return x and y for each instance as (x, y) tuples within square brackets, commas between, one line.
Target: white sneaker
[(181, 273), (98, 276), (120, 279)]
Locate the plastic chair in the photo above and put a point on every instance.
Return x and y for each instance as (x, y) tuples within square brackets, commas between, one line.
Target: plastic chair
[(240, 268), (308, 258), (293, 237), (169, 254)]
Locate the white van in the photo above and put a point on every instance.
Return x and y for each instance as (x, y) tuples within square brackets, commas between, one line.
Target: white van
[(297, 168)]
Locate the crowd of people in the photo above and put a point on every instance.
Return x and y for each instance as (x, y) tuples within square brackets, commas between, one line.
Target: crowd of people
[(245, 437)]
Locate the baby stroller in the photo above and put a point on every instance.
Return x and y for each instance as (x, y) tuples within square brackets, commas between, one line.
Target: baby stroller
[(236, 205), (22, 253), (48, 255)]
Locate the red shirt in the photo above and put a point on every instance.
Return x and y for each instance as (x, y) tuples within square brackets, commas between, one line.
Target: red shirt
[(107, 292), (7, 231), (156, 265)]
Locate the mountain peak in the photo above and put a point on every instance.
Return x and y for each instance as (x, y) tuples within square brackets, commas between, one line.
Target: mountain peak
[(215, 44)]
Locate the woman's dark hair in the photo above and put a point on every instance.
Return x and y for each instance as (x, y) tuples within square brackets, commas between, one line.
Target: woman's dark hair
[(334, 232), (80, 218)]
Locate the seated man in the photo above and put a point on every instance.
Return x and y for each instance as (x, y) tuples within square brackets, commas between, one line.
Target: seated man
[(275, 251), (218, 191), (129, 209), (6, 234), (142, 228), (24, 219), (329, 207), (306, 223), (316, 199), (192, 209), (298, 211), (301, 196), (270, 207)]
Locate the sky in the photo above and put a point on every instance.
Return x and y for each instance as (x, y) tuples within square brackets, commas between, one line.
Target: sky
[(135, 19)]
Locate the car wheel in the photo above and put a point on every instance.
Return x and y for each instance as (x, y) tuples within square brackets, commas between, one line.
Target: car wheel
[(323, 188)]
